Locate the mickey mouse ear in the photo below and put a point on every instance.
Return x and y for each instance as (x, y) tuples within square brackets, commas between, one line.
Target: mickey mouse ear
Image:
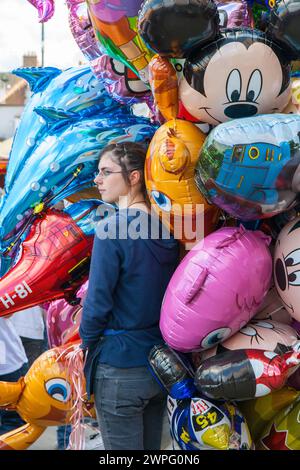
[(174, 28), (284, 26)]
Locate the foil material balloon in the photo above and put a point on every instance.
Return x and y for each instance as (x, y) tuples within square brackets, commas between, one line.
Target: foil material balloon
[(63, 319), (266, 335), (261, 411), (286, 267), (234, 14), (245, 374), (74, 93), (64, 162), (50, 394), (53, 262), (283, 26), (45, 9), (283, 431), (172, 17), (164, 86), (250, 167), (121, 82), (82, 29), (115, 26), (216, 289), (228, 73), (169, 172), (172, 372), (200, 424)]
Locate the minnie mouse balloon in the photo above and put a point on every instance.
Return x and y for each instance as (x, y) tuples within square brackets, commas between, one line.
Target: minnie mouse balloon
[(245, 373), (250, 167), (216, 289), (229, 73)]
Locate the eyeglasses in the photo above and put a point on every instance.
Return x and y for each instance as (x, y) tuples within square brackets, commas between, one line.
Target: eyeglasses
[(104, 173)]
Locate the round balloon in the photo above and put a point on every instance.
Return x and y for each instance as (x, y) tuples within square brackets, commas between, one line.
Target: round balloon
[(250, 167), (169, 171), (200, 424), (261, 411), (115, 26), (286, 267), (216, 289), (283, 431)]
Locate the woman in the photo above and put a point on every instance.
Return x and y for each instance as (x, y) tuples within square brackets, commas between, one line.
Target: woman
[(128, 278)]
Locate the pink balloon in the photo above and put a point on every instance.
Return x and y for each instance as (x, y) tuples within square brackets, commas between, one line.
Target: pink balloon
[(62, 318), (45, 9), (82, 29), (217, 289)]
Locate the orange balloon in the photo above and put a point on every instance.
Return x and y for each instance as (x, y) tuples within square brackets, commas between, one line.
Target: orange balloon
[(169, 174), (46, 396), (164, 86)]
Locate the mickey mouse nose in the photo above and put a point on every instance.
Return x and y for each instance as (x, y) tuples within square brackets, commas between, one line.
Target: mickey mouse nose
[(280, 274), (235, 111)]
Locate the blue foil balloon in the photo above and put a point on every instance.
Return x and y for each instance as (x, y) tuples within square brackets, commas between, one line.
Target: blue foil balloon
[(250, 167), (74, 93)]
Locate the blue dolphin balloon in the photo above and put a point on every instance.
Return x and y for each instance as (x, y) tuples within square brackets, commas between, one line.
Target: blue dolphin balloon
[(74, 93)]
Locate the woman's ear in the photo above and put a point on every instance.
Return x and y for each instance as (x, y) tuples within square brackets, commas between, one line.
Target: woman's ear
[(174, 28), (284, 27), (135, 177)]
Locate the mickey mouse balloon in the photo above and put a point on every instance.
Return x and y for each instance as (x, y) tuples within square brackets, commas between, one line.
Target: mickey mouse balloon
[(229, 73), (287, 267)]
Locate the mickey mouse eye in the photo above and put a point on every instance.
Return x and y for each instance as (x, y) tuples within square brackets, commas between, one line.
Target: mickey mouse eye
[(162, 200), (292, 258), (254, 85), (234, 86), (215, 337), (59, 389), (294, 278)]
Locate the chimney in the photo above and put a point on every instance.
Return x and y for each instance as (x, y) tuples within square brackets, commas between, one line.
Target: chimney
[(30, 60)]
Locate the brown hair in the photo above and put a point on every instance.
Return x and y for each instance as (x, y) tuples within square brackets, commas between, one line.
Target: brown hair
[(130, 156)]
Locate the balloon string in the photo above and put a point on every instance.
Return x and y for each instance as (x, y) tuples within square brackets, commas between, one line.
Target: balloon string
[(74, 362)]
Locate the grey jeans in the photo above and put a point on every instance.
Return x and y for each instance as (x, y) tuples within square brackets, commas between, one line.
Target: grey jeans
[(130, 407)]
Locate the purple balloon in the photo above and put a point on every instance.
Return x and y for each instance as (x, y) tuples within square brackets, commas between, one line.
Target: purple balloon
[(45, 9), (234, 14), (216, 289), (82, 29)]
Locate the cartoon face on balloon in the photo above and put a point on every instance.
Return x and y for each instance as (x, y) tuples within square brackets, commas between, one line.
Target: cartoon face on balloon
[(238, 80), (169, 170), (287, 267), (228, 73)]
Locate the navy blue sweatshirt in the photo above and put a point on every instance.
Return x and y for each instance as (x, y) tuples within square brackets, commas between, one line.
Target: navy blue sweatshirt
[(127, 282)]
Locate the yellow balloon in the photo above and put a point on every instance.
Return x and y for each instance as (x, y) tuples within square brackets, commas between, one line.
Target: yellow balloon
[(44, 397), (169, 174)]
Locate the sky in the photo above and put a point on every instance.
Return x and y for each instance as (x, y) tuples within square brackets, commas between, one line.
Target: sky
[(20, 33)]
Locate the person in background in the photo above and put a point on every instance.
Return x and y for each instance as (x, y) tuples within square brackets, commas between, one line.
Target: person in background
[(13, 366), (120, 320), (30, 326)]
